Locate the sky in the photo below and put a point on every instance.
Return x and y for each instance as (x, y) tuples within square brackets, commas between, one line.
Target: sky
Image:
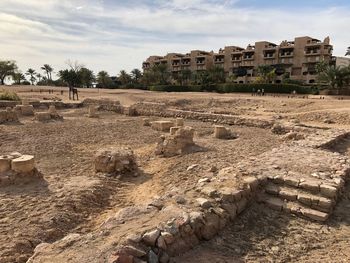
[(113, 35)]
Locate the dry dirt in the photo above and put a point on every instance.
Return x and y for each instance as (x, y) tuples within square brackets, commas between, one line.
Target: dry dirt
[(71, 198)]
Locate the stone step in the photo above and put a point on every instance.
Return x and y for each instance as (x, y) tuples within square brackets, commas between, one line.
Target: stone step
[(313, 186), (295, 208), (305, 198)]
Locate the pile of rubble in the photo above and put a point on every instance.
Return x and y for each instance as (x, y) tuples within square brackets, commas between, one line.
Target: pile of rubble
[(50, 115), (116, 162)]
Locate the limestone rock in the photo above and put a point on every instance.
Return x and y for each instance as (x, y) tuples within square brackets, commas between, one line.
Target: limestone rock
[(221, 132), (42, 116), (5, 163), (176, 144), (23, 164), (204, 203), (150, 237), (115, 160)]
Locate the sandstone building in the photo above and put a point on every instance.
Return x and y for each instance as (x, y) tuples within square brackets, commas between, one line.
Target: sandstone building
[(292, 59)]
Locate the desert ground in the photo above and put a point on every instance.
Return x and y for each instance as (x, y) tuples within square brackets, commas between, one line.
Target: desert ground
[(71, 198)]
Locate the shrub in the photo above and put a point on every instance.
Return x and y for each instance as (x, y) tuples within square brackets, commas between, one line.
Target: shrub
[(9, 95), (242, 88), (176, 88)]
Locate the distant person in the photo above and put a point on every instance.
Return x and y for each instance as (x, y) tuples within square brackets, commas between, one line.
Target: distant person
[(263, 92), (253, 92), (259, 92)]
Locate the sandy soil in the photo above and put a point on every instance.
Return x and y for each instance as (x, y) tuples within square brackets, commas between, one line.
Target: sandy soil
[(71, 198)]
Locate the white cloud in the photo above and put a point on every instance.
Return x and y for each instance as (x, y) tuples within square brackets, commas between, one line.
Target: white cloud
[(114, 37)]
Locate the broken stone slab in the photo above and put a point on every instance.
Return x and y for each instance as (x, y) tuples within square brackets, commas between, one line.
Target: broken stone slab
[(328, 190), (314, 214), (146, 122), (162, 125), (24, 164)]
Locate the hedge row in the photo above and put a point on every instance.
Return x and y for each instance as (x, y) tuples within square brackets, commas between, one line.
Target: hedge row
[(242, 88)]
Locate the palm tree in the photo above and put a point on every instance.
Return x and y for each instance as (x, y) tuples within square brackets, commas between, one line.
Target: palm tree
[(104, 79), (136, 75), (336, 77), (217, 74), (31, 72), (39, 76), (18, 77), (48, 70), (124, 77)]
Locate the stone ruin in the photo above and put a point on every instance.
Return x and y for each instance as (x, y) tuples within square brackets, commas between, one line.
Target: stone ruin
[(116, 162), (51, 114), (179, 143), (146, 122), (8, 116), (92, 113), (163, 126), (221, 132), (25, 109), (16, 167)]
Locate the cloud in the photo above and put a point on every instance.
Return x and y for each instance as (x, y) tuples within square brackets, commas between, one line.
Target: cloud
[(115, 34)]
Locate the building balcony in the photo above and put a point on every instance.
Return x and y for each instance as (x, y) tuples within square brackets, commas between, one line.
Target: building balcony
[(200, 62), (268, 56), (287, 55), (312, 52), (219, 61), (248, 58)]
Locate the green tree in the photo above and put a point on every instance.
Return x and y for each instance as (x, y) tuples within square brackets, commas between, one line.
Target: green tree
[(266, 74), (161, 74), (48, 71), (336, 77), (124, 77), (103, 79), (216, 74), (31, 73), (70, 77), (185, 76), (136, 75), (7, 68), (87, 77), (18, 77)]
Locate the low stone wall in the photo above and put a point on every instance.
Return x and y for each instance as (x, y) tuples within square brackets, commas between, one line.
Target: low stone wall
[(160, 110), (8, 116), (105, 105), (7, 103)]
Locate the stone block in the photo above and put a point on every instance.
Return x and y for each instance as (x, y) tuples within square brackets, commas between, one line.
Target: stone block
[(5, 163), (25, 110), (275, 203), (162, 125), (314, 215), (292, 181), (305, 199), (42, 116), (272, 189), (288, 195), (179, 122), (146, 122), (204, 203), (328, 190), (24, 164), (310, 185), (92, 113), (252, 182), (173, 130), (221, 132)]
